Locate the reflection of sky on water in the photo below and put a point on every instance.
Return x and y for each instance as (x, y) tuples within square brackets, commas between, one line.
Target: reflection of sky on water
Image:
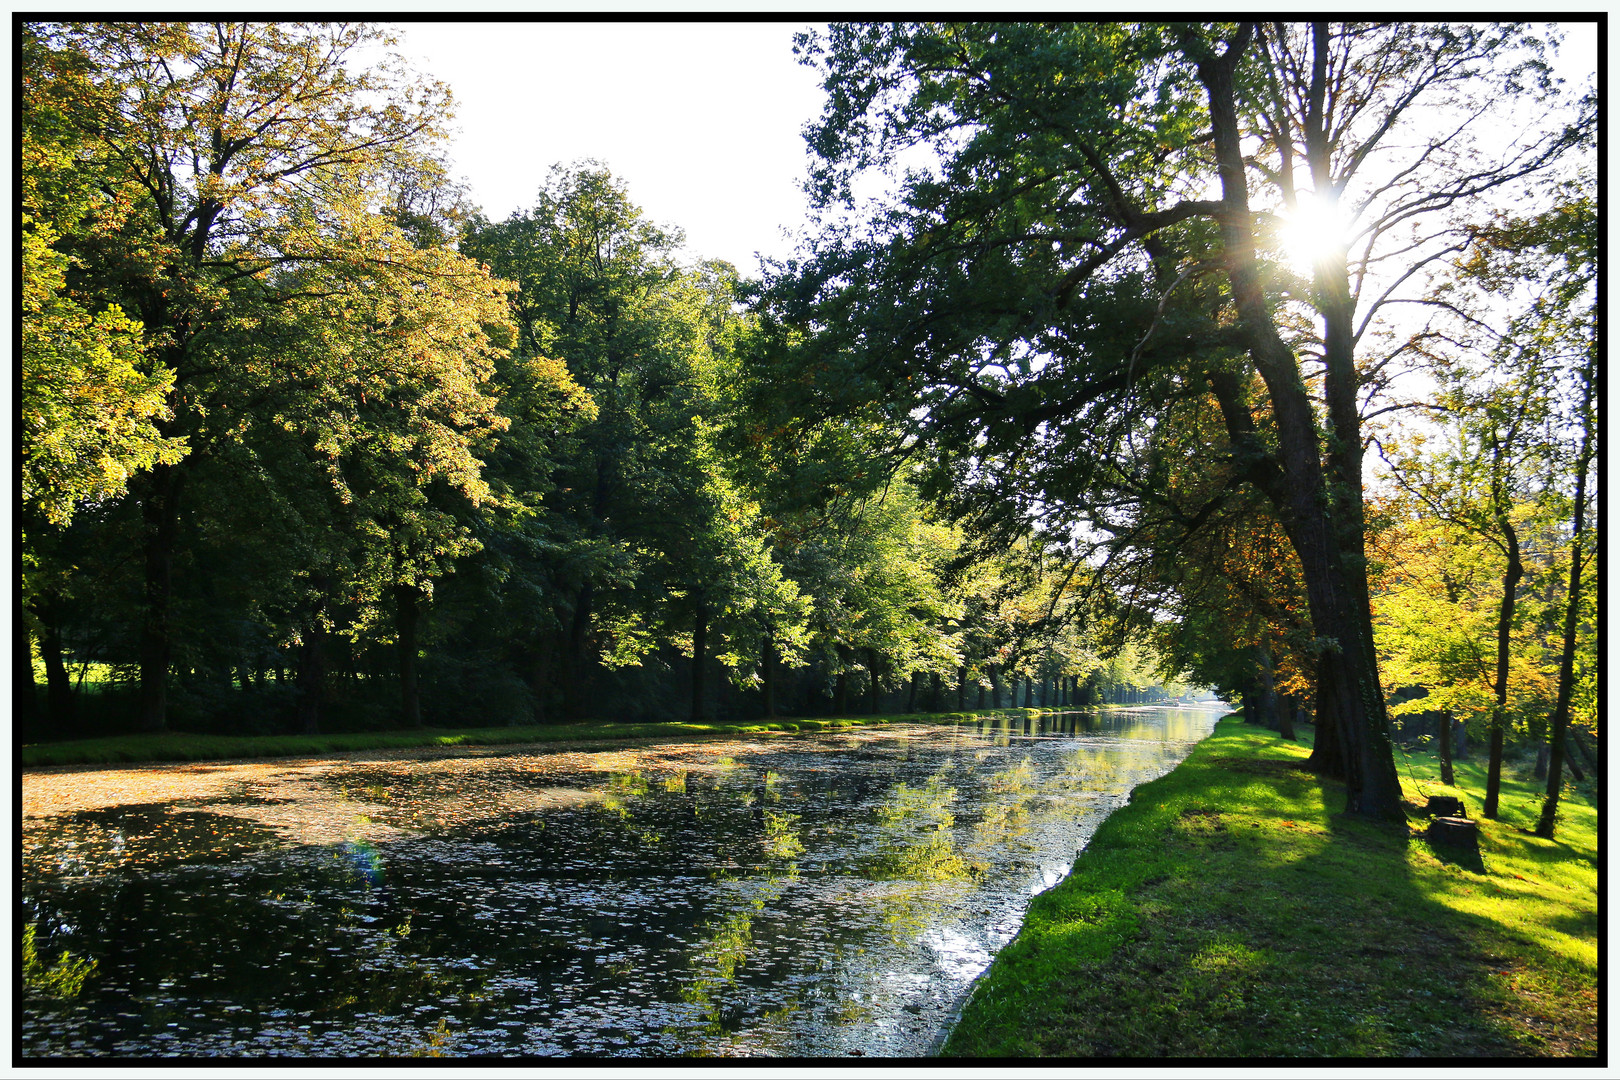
[(819, 896)]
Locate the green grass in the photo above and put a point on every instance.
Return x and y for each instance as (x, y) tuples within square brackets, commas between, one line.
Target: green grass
[(1231, 911), (183, 746)]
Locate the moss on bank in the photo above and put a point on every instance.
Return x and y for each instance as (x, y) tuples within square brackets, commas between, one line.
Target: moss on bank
[(1229, 911)]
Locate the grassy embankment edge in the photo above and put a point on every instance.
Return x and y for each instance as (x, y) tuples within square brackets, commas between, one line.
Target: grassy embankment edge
[(1230, 911), (177, 746)]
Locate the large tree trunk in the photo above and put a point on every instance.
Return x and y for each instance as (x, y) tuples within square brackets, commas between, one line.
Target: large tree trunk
[(160, 518), (995, 687), (1327, 757), (872, 676), (407, 622), (961, 688), (841, 685), (934, 699), (700, 634), (1321, 511)]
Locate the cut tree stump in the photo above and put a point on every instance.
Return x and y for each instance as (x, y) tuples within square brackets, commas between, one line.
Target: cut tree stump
[(1454, 831), (1445, 806)]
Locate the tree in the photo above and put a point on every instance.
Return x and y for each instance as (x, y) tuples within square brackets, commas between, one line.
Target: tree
[(87, 406), (1558, 333), (598, 289), (256, 154), (1017, 307)]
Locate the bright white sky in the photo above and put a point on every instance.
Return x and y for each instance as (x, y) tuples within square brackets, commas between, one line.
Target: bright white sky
[(702, 120)]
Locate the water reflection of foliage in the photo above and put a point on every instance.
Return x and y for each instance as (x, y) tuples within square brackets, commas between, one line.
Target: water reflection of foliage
[(63, 979), (361, 962), (622, 789), (782, 835), (918, 844), (719, 955), (1006, 813)]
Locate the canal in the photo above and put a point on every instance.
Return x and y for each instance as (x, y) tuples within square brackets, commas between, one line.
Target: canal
[(811, 895)]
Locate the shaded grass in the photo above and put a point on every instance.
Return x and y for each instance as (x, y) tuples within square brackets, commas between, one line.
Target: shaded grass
[(184, 746), (1229, 911)]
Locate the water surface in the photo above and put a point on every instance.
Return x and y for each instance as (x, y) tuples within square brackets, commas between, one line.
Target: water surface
[(808, 895)]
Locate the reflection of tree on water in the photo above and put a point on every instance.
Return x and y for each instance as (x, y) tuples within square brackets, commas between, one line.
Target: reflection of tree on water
[(917, 842), (1005, 817), (715, 962)]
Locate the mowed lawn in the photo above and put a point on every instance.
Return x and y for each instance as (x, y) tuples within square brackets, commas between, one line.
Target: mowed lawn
[(1231, 911)]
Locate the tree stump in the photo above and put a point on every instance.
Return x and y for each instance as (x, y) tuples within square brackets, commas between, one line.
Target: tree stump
[(1454, 832), (1445, 806)]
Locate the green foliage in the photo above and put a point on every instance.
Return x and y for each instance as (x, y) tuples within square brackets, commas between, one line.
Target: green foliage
[(90, 399)]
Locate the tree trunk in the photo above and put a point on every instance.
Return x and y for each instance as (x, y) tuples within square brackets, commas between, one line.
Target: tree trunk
[(1572, 606), (311, 678), (1569, 763), (1285, 718), (934, 701), (911, 697), (576, 670), (407, 622), (1543, 752), (841, 686), (1268, 691), (28, 706), (1447, 774), (767, 674), (872, 675), (1327, 756), (160, 518), (700, 633), (1504, 635), (995, 687), (58, 685), (1580, 748), (540, 676), (1320, 510), (961, 688)]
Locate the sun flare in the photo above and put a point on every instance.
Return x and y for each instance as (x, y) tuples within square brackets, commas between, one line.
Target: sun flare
[(1314, 229)]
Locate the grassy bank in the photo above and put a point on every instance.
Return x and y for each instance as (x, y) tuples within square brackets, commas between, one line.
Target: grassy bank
[(1228, 911), (183, 746)]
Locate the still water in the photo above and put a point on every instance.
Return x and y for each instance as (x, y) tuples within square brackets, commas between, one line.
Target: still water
[(808, 895)]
